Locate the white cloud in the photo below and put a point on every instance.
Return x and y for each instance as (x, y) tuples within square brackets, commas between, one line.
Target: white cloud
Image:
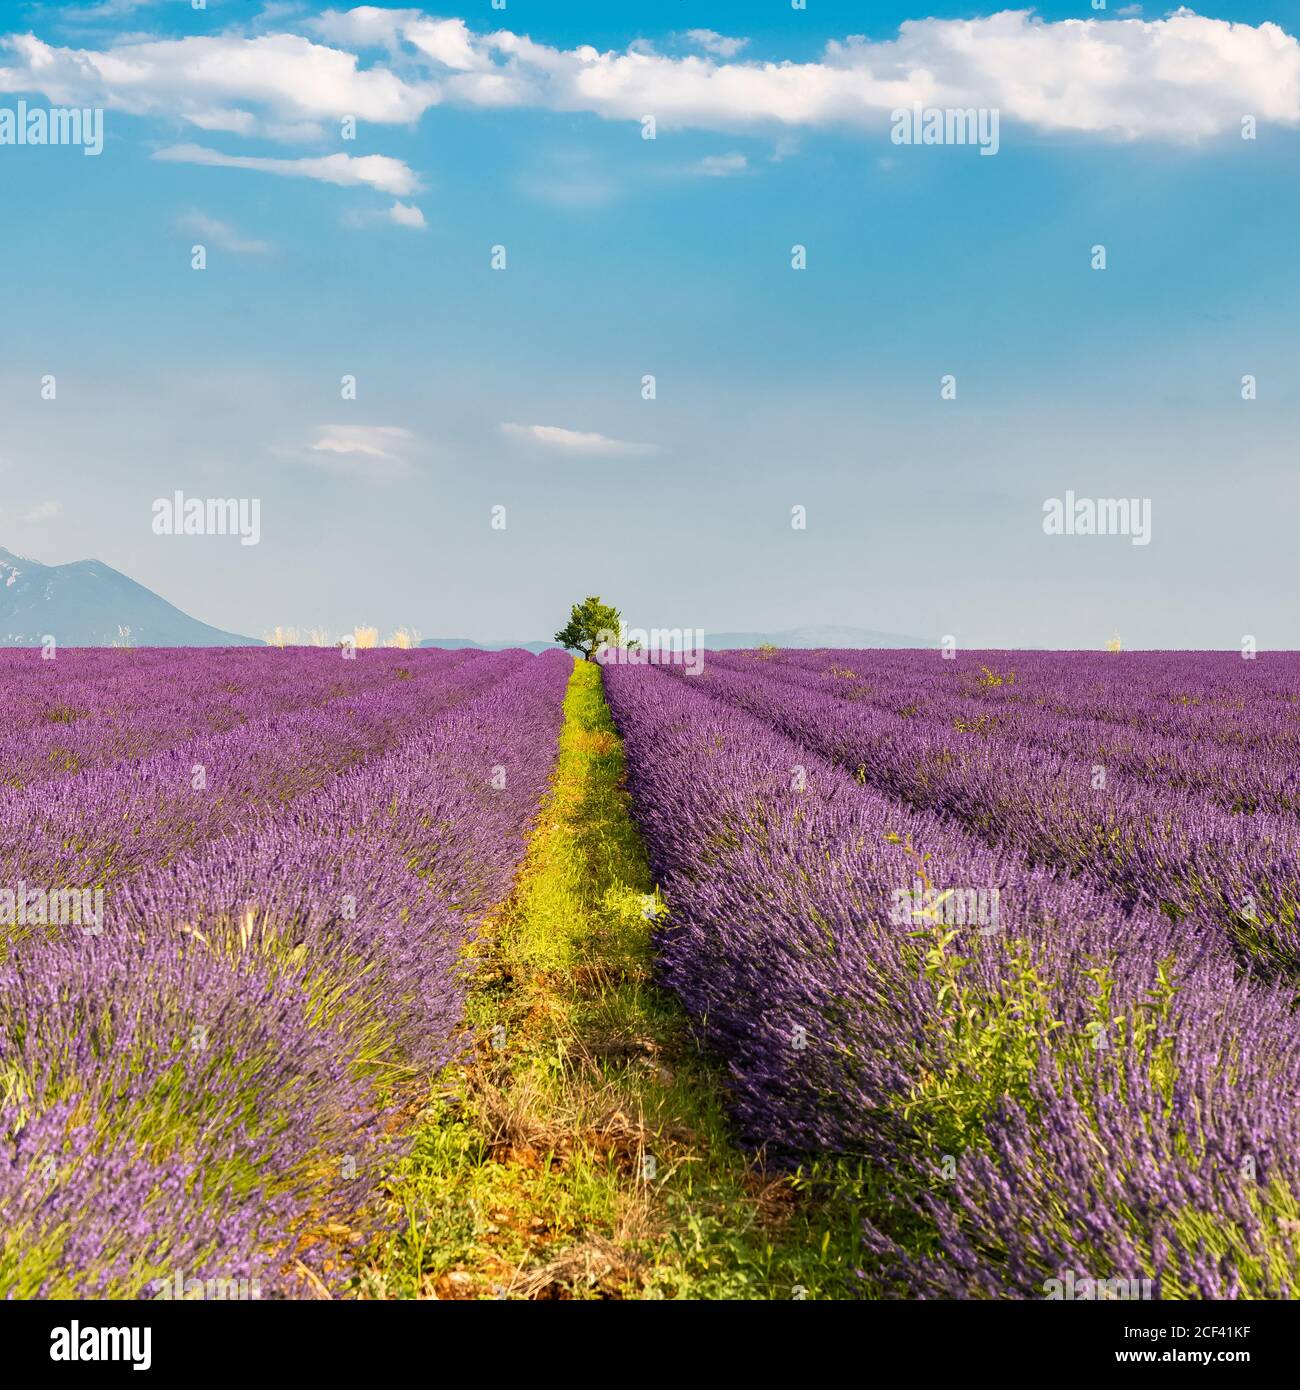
[(369, 451), (364, 26), (273, 11), (400, 214), (42, 511), (406, 215), (447, 42), (1181, 77), (719, 166), (232, 122), (221, 235), (718, 44), (216, 79), (573, 441), (376, 170), (378, 452)]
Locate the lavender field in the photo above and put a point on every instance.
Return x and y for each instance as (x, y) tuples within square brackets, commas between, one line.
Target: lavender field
[(237, 886), (1010, 938), (1019, 929)]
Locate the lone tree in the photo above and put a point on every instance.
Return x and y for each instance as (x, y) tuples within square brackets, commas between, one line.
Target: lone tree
[(591, 622)]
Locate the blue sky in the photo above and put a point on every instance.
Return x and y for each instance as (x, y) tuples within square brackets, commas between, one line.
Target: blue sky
[(775, 387)]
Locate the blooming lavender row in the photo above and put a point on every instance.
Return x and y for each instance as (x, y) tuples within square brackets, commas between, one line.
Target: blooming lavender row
[(96, 682), (166, 1110), (71, 721), (1256, 772), (1235, 875), (395, 857), (28, 676), (1198, 697), (203, 1086), (94, 827), (1060, 1085)]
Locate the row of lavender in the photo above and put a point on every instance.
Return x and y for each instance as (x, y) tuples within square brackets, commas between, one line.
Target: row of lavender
[(1050, 1080), (90, 708), (198, 1088), (1172, 848), (1214, 695), (1237, 746)]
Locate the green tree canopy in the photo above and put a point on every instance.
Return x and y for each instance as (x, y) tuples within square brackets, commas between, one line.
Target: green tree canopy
[(591, 622)]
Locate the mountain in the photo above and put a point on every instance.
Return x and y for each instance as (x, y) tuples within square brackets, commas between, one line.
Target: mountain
[(449, 642), (87, 604)]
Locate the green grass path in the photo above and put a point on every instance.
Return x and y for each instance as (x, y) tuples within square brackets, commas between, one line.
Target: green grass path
[(582, 1151)]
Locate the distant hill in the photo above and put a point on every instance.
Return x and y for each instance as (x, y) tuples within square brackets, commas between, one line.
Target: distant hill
[(448, 642), (725, 641), (88, 604), (831, 636)]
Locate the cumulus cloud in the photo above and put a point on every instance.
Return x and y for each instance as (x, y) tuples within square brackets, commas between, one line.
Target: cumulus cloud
[(221, 235), (449, 43), (572, 441), (712, 42), (364, 26), (376, 170), (1180, 77), (210, 80), (377, 452)]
